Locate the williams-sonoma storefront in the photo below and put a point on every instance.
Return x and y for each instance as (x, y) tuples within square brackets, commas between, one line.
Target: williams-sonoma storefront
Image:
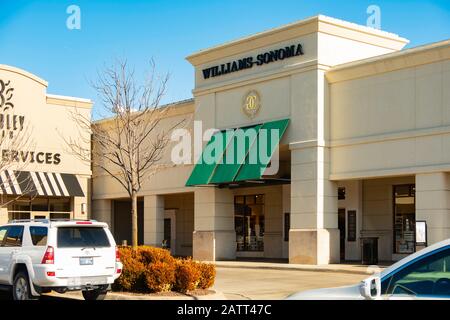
[(362, 150), (39, 179)]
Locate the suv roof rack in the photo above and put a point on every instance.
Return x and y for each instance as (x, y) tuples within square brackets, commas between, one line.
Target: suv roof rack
[(47, 220), (28, 220)]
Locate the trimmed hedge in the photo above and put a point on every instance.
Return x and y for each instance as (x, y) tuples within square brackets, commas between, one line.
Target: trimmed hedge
[(148, 269), (207, 275), (160, 276), (187, 275)]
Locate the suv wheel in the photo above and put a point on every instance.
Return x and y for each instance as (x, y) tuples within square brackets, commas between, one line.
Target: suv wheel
[(21, 287), (97, 294)]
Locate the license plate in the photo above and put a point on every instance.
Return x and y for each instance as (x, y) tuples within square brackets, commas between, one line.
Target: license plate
[(81, 281), (86, 261)]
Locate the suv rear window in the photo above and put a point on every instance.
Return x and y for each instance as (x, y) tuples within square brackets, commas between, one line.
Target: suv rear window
[(79, 237), (13, 236), (39, 236)]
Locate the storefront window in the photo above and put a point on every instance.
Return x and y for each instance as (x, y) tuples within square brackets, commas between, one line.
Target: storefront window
[(341, 193), (18, 215), (249, 222), (59, 215), (239, 199), (39, 204), (7, 201), (21, 204), (59, 204), (404, 218), (38, 207)]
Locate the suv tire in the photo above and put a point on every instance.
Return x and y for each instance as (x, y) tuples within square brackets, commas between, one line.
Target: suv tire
[(96, 294), (21, 287)]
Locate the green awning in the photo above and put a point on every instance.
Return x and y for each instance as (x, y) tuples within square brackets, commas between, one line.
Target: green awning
[(212, 153), (262, 151), (237, 155), (234, 155)]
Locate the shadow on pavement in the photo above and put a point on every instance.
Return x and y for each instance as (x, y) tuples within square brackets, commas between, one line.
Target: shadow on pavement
[(7, 296), (45, 297)]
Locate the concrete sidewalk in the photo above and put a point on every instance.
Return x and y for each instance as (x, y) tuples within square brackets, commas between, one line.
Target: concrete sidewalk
[(338, 268), (76, 295)]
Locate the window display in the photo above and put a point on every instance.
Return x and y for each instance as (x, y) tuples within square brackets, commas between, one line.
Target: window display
[(404, 219)]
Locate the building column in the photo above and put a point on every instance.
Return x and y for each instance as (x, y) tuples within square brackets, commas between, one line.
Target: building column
[(314, 233), (433, 204), (154, 220), (273, 222), (214, 237), (78, 202), (4, 216), (102, 211)]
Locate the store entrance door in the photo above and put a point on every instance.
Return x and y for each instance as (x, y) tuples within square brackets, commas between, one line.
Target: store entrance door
[(170, 231), (249, 224), (404, 219)]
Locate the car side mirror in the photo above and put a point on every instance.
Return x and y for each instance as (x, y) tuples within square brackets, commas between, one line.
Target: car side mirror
[(370, 288)]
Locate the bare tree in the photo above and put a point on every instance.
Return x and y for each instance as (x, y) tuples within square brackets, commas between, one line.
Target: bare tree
[(16, 147), (129, 144)]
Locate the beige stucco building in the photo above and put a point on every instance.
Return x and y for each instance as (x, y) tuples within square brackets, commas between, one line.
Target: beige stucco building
[(39, 179), (364, 151)]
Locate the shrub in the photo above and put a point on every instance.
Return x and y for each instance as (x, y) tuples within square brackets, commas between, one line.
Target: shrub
[(132, 277), (160, 276), (149, 269), (151, 255), (187, 275), (207, 275)]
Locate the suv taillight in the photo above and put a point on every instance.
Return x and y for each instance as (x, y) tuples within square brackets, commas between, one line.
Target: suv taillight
[(49, 256), (117, 255)]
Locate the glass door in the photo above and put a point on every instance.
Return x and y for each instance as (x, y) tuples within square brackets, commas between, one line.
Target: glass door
[(249, 222), (404, 219)]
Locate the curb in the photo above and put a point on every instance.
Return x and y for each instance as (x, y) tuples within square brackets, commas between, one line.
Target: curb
[(217, 295), (297, 268), (142, 297)]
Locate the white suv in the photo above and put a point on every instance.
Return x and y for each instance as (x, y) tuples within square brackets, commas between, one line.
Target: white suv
[(38, 256)]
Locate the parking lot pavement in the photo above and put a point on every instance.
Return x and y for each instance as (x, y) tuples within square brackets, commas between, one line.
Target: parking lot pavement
[(7, 296), (245, 283)]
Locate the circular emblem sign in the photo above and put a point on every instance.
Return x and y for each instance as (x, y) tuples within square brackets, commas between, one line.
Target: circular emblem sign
[(252, 104), (6, 93)]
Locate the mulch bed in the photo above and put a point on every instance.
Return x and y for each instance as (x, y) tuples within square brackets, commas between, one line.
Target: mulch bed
[(201, 292), (196, 292)]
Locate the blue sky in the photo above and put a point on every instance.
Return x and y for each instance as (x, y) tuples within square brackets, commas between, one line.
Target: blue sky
[(34, 36)]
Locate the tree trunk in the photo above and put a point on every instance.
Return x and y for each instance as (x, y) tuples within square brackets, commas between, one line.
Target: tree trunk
[(134, 220)]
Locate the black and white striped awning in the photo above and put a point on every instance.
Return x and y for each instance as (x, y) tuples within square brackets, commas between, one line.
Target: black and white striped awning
[(39, 183)]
